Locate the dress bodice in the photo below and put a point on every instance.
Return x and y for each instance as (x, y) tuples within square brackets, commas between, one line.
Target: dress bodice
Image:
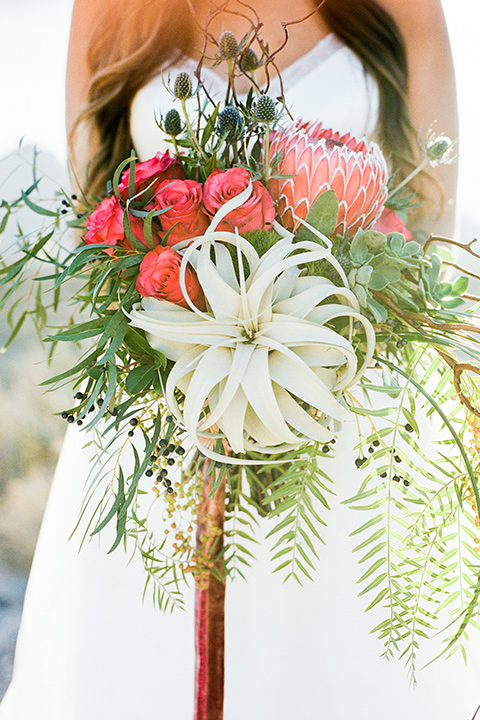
[(328, 84)]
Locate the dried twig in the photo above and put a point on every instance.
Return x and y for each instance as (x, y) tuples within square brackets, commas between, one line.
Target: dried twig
[(416, 320)]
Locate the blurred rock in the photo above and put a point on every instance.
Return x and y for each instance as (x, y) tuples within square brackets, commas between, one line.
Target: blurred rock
[(12, 590)]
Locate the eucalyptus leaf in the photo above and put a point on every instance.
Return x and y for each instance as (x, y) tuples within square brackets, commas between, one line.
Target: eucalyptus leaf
[(140, 378)]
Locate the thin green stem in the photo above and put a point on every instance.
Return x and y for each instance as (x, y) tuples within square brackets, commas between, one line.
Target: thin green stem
[(192, 134), (410, 177), (267, 154)]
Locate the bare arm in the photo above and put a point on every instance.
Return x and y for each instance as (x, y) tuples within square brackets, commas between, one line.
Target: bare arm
[(432, 93)]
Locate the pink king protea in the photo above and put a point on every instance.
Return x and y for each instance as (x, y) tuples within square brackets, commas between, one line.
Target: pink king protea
[(319, 160)]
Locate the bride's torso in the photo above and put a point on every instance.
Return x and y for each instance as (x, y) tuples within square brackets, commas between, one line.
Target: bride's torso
[(328, 84)]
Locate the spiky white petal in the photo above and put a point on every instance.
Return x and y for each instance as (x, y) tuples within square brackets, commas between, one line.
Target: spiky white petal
[(262, 368)]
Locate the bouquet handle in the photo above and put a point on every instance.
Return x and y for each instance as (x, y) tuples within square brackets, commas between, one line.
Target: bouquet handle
[(210, 602)]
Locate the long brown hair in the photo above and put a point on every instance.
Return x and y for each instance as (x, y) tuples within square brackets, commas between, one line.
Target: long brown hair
[(120, 67)]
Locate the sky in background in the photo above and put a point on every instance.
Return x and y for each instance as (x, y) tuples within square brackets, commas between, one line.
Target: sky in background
[(33, 55)]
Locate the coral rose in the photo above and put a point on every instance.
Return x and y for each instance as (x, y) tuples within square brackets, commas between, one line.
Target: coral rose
[(256, 213), (317, 160), (184, 213), (105, 224), (149, 175), (159, 277)]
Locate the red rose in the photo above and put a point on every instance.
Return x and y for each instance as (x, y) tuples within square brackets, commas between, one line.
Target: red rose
[(159, 277), (105, 224), (256, 213), (390, 222), (186, 211), (149, 174)]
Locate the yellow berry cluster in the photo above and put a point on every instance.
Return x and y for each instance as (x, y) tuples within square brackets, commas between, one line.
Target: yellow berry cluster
[(473, 422), (203, 563)]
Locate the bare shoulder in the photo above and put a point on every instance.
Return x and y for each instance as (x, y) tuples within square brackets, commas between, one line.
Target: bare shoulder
[(111, 15), (416, 17)]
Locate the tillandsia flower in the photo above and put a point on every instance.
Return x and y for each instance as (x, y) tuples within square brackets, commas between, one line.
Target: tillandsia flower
[(149, 175), (105, 224), (184, 214), (318, 159), (256, 213), (262, 365), (159, 277)]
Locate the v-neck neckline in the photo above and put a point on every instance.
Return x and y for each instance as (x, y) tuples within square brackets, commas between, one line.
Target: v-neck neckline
[(296, 70)]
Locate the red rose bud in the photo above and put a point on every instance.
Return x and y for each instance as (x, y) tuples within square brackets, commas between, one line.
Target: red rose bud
[(159, 277), (184, 211), (256, 213), (320, 160), (390, 222), (105, 224), (149, 175)]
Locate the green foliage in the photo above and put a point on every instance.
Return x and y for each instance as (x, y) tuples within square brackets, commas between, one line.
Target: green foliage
[(262, 240), (399, 269), (416, 541), (323, 216), (416, 548)]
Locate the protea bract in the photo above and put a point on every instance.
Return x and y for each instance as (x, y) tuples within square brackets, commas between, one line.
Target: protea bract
[(317, 159)]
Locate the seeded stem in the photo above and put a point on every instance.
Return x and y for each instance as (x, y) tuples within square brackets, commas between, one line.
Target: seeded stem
[(192, 134)]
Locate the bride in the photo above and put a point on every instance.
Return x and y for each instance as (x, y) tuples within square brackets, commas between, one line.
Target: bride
[(89, 647)]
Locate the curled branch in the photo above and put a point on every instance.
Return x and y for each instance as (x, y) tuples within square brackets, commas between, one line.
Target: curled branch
[(416, 320)]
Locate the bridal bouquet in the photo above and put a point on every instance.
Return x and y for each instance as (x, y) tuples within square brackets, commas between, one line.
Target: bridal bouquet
[(235, 300)]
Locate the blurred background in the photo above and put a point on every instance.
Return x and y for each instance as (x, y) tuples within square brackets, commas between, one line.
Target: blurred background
[(33, 56)]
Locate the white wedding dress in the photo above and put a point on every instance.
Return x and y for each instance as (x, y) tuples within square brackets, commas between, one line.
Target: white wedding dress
[(90, 649)]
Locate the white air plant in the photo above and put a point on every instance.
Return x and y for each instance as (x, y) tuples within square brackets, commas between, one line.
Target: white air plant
[(261, 369)]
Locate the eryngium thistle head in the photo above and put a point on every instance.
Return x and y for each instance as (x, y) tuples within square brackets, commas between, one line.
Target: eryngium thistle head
[(230, 123), (228, 47), (182, 88), (438, 149), (249, 61), (172, 123), (265, 110)]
